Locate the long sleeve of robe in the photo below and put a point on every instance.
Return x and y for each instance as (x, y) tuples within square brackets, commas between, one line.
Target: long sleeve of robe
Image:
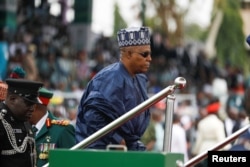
[(109, 95)]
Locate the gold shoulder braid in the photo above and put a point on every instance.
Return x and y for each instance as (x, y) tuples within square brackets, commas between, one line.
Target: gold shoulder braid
[(45, 147), (60, 122), (50, 122), (12, 139)]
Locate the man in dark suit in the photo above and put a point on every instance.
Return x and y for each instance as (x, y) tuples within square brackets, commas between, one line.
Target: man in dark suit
[(17, 144), (51, 132)]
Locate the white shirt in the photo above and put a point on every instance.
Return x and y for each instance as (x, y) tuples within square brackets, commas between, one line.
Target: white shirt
[(41, 122), (179, 143), (159, 134)]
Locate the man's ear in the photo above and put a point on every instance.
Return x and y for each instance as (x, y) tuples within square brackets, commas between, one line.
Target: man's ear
[(126, 54)]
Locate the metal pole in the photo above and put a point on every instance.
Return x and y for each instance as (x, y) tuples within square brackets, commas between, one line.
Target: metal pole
[(168, 123), (180, 83), (219, 146)]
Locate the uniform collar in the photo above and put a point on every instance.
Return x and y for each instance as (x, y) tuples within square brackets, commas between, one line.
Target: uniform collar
[(41, 122)]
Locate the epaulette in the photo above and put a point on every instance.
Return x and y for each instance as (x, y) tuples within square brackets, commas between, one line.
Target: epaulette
[(62, 122)]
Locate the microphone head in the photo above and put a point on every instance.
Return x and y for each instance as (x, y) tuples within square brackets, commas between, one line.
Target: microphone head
[(248, 40)]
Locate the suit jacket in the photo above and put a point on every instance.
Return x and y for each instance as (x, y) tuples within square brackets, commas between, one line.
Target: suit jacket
[(51, 136)]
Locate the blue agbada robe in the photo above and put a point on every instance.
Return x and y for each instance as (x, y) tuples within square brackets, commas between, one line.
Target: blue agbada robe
[(109, 95)]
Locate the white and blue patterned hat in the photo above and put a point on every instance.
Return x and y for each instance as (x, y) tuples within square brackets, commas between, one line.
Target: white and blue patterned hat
[(133, 36)]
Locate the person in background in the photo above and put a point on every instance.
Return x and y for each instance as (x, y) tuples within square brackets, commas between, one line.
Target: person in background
[(157, 119), (17, 72), (3, 90), (179, 139), (115, 90), (210, 130), (29, 62), (50, 132), (243, 141), (149, 137), (4, 54), (83, 69), (17, 143)]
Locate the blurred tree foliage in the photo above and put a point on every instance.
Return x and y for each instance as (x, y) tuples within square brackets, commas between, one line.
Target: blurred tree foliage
[(168, 15), (230, 40), (229, 43), (195, 32)]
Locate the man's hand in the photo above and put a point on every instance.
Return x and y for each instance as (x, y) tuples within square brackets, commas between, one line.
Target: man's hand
[(123, 142)]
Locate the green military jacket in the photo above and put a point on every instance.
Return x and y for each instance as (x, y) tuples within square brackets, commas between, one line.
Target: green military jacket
[(55, 133)]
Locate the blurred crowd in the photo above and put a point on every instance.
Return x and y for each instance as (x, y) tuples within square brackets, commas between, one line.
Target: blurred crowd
[(44, 51)]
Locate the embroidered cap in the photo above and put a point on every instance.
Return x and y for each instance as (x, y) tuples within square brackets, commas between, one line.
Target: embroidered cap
[(26, 89), (45, 95), (133, 36)]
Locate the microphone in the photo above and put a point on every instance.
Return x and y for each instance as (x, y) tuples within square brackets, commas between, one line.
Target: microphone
[(248, 40)]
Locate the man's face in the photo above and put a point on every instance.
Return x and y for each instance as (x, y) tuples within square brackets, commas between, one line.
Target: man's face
[(21, 108), (140, 58)]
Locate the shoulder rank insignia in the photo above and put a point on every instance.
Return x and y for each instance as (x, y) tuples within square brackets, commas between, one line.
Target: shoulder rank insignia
[(50, 122)]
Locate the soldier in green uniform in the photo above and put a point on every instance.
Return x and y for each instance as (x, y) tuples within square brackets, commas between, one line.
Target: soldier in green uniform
[(17, 144), (51, 132)]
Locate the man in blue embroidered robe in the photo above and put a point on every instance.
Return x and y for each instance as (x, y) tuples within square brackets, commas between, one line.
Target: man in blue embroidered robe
[(114, 91)]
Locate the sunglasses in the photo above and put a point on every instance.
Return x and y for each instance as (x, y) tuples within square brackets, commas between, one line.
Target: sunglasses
[(143, 54)]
